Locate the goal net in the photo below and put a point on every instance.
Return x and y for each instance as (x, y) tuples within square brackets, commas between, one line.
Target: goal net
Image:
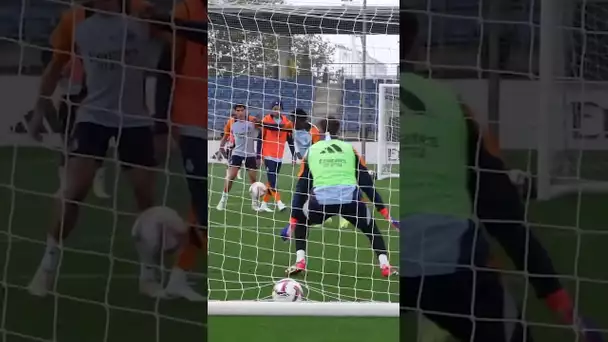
[(95, 296), (534, 75), (302, 66), (572, 147)]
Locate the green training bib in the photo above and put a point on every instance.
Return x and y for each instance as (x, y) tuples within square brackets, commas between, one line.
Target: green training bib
[(332, 162), (433, 150)]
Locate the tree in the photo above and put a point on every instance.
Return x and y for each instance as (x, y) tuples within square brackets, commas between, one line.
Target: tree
[(235, 52)]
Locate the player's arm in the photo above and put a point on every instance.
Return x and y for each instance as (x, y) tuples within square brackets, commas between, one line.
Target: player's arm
[(501, 210), (314, 134), (258, 145), (366, 184), (292, 146), (61, 43), (164, 85), (226, 135)]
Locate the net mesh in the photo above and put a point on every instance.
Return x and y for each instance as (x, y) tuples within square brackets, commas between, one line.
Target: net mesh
[(96, 296), (488, 52), (257, 66)]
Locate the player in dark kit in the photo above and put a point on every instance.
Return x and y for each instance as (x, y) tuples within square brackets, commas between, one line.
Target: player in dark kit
[(446, 275), (331, 182)]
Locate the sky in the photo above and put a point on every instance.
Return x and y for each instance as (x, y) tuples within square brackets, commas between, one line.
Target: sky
[(384, 48)]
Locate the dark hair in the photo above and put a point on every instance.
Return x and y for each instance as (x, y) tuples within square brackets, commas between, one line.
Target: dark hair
[(409, 32), (330, 125), (300, 115), (239, 105)]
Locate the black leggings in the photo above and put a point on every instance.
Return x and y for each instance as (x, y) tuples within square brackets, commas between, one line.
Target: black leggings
[(194, 156), (446, 300), (355, 212)]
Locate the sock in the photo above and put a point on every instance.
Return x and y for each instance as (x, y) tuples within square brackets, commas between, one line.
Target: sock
[(300, 255), (383, 260), (50, 260), (224, 195), (268, 194)]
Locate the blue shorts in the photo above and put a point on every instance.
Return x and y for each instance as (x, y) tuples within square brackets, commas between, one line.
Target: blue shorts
[(272, 166), (250, 162)]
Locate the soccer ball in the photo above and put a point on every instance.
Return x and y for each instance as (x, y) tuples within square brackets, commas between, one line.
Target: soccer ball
[(160, 229), (287, 290), (257, 189)]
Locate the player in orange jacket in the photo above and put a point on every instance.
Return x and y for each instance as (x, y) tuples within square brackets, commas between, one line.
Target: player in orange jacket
[(277, 130)]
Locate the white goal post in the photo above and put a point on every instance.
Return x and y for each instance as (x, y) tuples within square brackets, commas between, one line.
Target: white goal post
[(563, 144), (388, 130)]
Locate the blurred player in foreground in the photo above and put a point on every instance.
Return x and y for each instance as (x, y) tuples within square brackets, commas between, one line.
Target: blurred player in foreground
[(247, 148), (189, 129), (114, 108), (331, 181), (73, 92), (441, 242), (276, 131)]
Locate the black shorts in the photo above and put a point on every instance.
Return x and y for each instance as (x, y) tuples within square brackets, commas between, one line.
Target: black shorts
[(135, 145), (251, 163), (356, 212), (446, 300), (67, 113), (194, 156)]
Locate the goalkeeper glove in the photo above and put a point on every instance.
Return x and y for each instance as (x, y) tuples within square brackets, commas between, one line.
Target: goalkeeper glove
[(560, 303), (394, 223), (287, 231)]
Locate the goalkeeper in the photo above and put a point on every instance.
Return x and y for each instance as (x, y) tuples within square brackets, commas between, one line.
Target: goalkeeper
[(441, 243), (501, 210), (332, 177), (305, 134)]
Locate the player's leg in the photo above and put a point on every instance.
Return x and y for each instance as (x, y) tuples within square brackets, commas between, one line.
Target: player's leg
[(135, 146), (273, 168), (470, 305), (251, 167), (67, 116), (359, 215), (194, 155), (66, 119), (234, 164), (90, 141), (312, 214)]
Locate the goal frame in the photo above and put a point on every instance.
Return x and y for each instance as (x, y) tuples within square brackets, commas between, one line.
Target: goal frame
[(287, 21), (381, 132), (550, 46)]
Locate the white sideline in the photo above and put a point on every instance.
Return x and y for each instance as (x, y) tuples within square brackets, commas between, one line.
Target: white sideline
[(317, 309)]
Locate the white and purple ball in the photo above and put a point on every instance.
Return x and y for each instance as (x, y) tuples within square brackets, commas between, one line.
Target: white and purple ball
[(287, 290)]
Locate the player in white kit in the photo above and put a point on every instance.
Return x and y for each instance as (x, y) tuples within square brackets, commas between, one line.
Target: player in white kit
[(116, 52), (247, 149)]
